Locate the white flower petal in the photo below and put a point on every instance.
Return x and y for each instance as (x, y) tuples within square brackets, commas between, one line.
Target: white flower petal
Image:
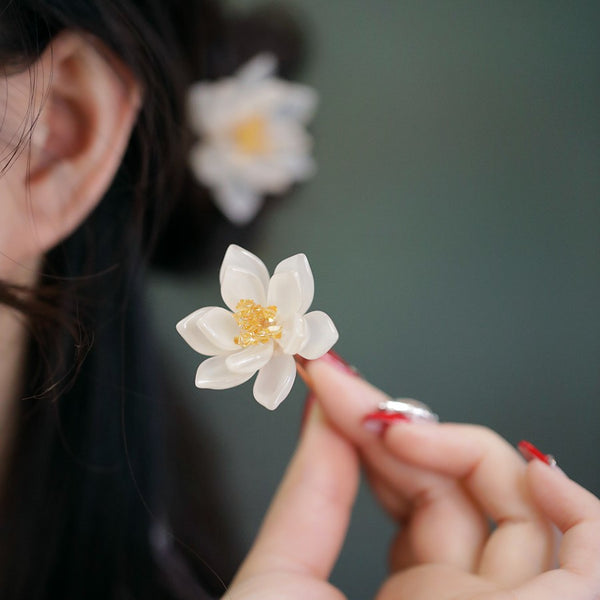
[(213, 374), (214, 329), (259, 68), (210, 105), (280, 100), (250, 359), (208, 164), (238, 257), (239, 179), (321, 334), (265, 99), (239, 284), (237, 201), (220, 328), (294, 335), (298, 166), (299, 103), (235, 195), (289, 137), (299, 264), (275, 381), (199, 102), (265, 175), (188, 329), (286, 294), (219, 107)]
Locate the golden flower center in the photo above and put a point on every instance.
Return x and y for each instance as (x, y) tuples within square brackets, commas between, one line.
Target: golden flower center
[(258, 324), (250, 135)]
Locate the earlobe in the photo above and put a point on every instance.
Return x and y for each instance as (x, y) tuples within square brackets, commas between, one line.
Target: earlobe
[(89, 109)]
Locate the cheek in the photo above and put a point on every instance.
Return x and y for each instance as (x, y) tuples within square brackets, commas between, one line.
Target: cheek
[(18, 248), (19, 113)]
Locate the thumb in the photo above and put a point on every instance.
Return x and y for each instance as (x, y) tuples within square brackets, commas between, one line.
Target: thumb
[(305, 526)]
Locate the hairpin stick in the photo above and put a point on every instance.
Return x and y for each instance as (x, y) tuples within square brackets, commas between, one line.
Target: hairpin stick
[(301, 369)]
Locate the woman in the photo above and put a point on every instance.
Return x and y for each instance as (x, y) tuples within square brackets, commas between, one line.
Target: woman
[(96, 89), (93, 144)]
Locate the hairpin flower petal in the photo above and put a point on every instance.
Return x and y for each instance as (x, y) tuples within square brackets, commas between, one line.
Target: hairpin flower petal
[(266, 325), (253, 139)]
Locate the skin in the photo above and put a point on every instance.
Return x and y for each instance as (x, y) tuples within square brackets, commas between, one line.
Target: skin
[(16, 266), (72, 112), (442, 482), (12, 354)]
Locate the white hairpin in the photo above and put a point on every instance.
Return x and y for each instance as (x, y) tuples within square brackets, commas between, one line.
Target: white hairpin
[(252, 136), (265, 326)]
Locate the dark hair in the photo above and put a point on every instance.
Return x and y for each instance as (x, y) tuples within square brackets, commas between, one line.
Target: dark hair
[(89, 499)]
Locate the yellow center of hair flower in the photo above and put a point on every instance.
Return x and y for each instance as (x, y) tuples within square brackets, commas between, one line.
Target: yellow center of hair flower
[(258, 324), (250, 135)]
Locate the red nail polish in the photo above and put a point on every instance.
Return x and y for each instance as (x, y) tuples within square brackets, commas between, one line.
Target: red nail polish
[(335, 359), (379, 421), (530, 452)]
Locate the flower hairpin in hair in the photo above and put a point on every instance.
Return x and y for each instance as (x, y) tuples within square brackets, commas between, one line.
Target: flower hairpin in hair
[(252, 136), (267, 325)]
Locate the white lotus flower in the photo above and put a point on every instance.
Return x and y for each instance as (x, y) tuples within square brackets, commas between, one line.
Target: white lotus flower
[(252, 133), (267, 325)]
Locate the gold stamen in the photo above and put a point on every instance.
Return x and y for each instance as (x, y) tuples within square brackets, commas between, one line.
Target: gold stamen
[(258, 324), (250, 135)]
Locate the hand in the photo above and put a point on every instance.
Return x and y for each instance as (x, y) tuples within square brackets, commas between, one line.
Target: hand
[(443, 482), (304, 529)]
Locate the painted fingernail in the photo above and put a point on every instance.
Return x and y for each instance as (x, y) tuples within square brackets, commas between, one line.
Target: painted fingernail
[(337, 361), (530, 452), (378, 421)]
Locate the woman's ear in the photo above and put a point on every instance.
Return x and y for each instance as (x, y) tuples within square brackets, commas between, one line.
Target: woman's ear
[(90, 104)]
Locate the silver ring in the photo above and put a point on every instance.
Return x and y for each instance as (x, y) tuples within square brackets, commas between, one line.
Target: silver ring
[(413, 409)]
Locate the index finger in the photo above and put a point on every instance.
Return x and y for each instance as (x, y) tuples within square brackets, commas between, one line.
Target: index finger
[(576, 512), (442, 522)]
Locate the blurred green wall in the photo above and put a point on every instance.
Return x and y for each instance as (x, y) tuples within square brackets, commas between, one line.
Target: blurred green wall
[(453, 230)]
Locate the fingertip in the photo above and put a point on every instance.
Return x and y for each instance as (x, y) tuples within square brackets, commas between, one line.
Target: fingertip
[(575, 511), (333, 380), (564, 501), (345, 398), (543, 477)]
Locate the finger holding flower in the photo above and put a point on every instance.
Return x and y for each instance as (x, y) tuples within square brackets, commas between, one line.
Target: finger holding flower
[(444, 483)]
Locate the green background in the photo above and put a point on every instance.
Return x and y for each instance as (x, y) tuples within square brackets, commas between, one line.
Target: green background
[(453, 231)]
